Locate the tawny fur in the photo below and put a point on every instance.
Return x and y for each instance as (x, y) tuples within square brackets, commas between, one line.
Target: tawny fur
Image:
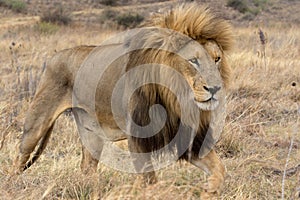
[(55, 92)]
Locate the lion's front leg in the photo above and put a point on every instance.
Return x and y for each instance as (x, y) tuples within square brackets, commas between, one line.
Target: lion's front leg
[(88, 163), (142, 162), (213, 166)]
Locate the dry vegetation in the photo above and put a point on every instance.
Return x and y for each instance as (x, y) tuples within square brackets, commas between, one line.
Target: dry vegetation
[(261, 138)]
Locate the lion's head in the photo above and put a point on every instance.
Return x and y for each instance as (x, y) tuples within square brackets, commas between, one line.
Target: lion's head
[(201, 70)]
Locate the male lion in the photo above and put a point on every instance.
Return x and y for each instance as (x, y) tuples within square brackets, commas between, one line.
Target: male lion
[(114, 89)]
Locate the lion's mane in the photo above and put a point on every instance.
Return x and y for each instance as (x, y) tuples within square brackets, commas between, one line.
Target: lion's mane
[(199, 24)]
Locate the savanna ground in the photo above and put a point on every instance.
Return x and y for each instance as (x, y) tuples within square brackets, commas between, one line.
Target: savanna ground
[(259, 146)]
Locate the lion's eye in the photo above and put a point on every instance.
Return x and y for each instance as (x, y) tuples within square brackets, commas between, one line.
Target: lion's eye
[(217, 59), (194, 61)]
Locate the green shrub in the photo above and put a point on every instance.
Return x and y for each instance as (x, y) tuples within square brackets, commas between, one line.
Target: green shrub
[(129, 20), (239, 5), (255, 11), (56, 16), (46, 28), (108, 2), (260, 3), (248, 16), (15, 5), (250, 9), (108, 14)]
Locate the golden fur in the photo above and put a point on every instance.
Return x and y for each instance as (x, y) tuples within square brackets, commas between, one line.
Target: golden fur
[(198, 24)]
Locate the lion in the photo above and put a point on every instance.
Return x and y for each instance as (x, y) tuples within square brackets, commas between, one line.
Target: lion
[(178, 61)]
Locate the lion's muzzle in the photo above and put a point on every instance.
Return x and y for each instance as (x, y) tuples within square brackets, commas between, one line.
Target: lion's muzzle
[(209, 100)]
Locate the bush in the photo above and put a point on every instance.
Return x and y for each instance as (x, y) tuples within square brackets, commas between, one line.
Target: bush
[(239, 5), (250, 9), (57, 16), (46, 28), (108, 2), (129, 20), (15, 5), (260, 3), (108, 14), (248, 16)]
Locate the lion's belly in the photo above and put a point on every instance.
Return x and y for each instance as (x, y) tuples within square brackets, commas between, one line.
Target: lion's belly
[(87, 123), (93, 135)]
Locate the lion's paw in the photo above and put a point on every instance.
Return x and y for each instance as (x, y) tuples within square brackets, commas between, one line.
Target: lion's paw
[(208, 196), (214, 184), (149, 178)]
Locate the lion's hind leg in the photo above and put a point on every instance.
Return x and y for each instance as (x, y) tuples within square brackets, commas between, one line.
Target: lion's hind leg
[(213, 166)]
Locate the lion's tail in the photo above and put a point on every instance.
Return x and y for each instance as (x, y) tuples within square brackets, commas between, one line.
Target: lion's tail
[(38, 127), (53, 97), (42, 145)]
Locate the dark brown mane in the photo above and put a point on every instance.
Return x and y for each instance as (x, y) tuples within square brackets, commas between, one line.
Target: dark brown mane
[(198, 24)]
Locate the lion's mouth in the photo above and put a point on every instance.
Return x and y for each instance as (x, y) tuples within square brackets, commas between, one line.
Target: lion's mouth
[(209, 104), (208, 100)]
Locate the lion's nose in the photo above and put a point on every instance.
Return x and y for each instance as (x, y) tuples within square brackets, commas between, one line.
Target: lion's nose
[(212, 90)]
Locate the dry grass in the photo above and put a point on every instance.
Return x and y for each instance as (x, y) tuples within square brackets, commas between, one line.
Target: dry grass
[(262, 121)]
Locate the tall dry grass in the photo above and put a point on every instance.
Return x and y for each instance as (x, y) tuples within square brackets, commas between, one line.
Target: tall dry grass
[(263, 109)]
